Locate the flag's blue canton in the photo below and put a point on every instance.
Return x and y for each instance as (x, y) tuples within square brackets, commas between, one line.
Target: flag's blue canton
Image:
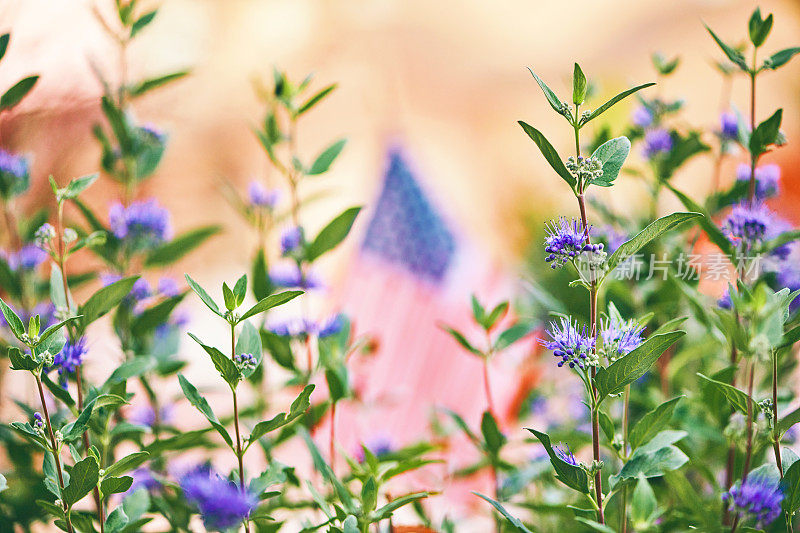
[(405, 228)]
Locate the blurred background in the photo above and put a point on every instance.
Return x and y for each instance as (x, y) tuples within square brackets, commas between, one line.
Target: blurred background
[(442, 83)]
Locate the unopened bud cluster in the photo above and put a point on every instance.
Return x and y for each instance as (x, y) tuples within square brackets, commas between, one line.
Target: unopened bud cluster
[(585, 169), (245, 361)]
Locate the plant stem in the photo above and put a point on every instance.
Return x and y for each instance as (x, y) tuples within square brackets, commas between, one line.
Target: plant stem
[(333, 437), (749, 450), (54, 449), (776, 436), (751, 190), (625, 418), (239, 454), (487, 388), (598, 477)]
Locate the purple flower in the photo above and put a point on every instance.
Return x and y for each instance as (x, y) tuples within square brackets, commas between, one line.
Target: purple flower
[(768, 179), (379, 446), (574, 346), (290, 276), (144, 415), (291, 239), (565, 240), (141, 290), (68, 360), (656, 142), (168, 287), (620, 336), (749, 226), (142, 225), (725, 301), (729, 126), (565, 454), (259, 196), (27, 258), (758, 498), (143, 478), (614, 238), (14, 174), (642, 117), (222, 504), (331, 326)]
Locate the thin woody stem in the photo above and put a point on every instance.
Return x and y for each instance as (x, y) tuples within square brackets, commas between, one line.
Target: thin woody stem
[(239, 454), (54, 449)]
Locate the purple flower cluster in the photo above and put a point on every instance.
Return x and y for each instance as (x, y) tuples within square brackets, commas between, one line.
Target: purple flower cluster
[(768, 179), (749, 226), (565, 454), (729, 126), (620, 336), (142, 225), (14, 174), (222, 504), (656, 142), (245, 361), (379, 446), (67, 361), (259, 196), (143, 478), (758, 498), (297, 327), (642, 117), (27, 258), (144, 415), (291, 277), (565, 240), (572, 345), (291, 239)]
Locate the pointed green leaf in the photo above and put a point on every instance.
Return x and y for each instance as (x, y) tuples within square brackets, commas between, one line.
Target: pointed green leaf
[(15, 94), (551, 97), (778, 59), (201, 292), (180, 246), (331, 235), (570, 475), (105, 299), (738, 399), (631, 367), (578, 85), (201, 404), (224, 365), (324, 160), (520, 527), (735, 56), (549, 153), (612, 155), (653, 422), (269, 302), (652, 231), (82, 479), (605, 107)]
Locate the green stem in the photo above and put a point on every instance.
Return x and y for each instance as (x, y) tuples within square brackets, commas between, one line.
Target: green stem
[(625, 420), (751, 190), (749, 450), (239, 454), (54, 450)]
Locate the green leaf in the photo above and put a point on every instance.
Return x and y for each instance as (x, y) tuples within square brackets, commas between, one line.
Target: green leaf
[(54, 328), (201, 404), (631, 367), (759, 28), (324, 160), (735, 397), (653, 422), (228, 297), (386, 511), (549, 153), (15, 94), (653, 230), (105, 299), (512, 335), (551, 97), (116, 520), (462, 340), (570, 475), (224, 365), (240, 290), (578, 85), (314, 100), (13, 321), (711, 230), (154, 83), (605, 107), (78, 185), (735, 56), (4, 44), (298, 407), (643, 504), (778, 59), (791, 488), (766, 134), (142, 21), (201, 292), (127, 463), (612, 155), (180, 246), (321, 466), (21, 361), (331, 235), (82, 479), (520, 527), (656, 457), (249, 341), (492, 435), (115, 485), (269, 302), (788, 420), (369, 495), (154, 316)]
